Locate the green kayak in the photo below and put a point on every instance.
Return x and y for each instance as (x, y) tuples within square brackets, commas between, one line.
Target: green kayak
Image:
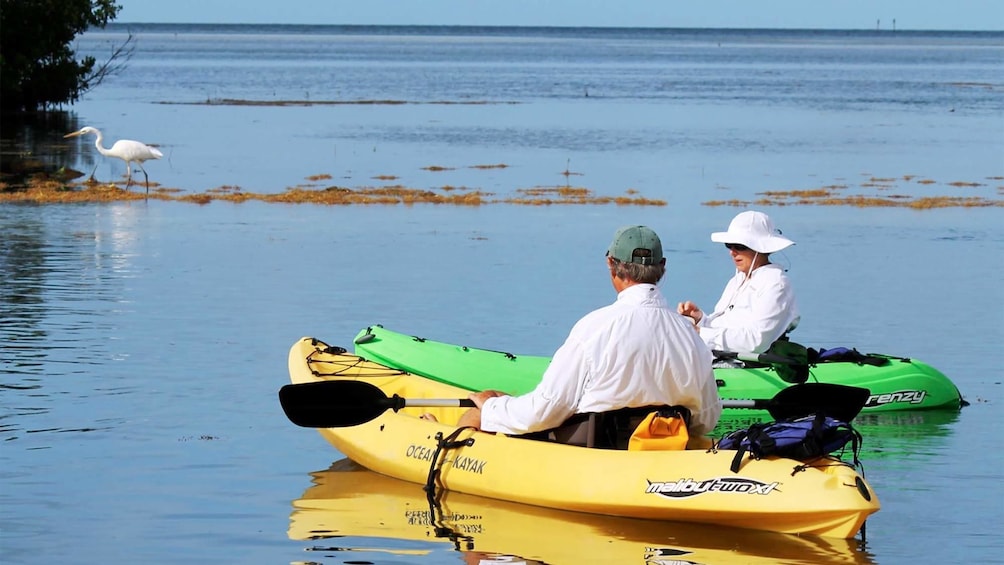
[(895, 383)]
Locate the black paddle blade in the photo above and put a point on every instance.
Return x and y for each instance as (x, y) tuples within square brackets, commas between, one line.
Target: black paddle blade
[(836, 401), (333, 404)]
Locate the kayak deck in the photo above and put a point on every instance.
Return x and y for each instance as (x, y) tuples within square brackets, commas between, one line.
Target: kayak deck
[(900, 384)]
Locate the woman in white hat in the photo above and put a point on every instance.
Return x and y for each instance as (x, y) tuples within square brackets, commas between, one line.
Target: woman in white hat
[(758, 304)]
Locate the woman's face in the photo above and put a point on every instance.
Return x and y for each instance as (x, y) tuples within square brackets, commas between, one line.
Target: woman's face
[(742, 256)]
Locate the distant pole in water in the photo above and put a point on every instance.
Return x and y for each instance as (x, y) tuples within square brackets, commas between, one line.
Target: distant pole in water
[(894, 24), (878, 25)]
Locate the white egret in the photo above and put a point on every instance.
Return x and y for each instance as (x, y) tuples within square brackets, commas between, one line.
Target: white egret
[(126, 149)]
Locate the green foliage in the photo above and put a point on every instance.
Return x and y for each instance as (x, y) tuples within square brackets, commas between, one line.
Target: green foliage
[(38, 68)]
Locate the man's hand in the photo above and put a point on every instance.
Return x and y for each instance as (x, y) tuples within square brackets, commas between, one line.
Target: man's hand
[(472, 418)]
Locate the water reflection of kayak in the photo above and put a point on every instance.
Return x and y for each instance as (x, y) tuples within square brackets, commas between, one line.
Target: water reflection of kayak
[(367, 511), (895, 383), (906, 436), (890, 434)]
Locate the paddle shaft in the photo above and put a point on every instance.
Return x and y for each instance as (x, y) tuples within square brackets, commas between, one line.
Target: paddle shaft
[(757, 403), (756, 357), (740, 403), (332, 404), (438, 403)]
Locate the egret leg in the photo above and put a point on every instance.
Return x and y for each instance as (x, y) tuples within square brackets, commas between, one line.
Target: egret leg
[(145, 177), (128, 175)]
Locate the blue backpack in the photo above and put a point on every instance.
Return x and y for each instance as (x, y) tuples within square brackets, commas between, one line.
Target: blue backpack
[(804, 438)]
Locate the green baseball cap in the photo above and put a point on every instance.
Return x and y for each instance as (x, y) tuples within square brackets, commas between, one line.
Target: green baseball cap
[(636, 244)]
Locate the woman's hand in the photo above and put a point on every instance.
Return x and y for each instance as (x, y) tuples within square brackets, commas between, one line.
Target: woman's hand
[(690, 310)]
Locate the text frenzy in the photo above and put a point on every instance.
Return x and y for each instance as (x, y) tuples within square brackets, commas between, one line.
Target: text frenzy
[(684, 488), (907, 396)]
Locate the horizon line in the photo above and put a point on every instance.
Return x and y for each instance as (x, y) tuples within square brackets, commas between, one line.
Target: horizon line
[(549, 26)]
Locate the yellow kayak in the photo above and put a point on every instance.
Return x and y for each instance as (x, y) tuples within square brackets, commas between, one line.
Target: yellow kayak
[(823, 497), (349, 501)]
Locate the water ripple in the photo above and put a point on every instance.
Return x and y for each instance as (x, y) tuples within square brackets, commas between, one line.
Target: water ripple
[(63, 287)]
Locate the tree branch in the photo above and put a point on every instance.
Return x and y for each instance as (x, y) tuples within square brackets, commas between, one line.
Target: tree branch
[(113, 66)]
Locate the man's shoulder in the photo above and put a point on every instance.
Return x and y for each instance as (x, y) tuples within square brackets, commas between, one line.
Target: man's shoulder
[(594, 317), (631, 313)]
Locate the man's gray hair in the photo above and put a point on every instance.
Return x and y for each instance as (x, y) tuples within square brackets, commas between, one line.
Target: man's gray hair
[(650, 274)]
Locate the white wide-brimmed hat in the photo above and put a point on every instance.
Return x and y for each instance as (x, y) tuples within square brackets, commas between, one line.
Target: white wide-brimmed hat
[(754, 230)]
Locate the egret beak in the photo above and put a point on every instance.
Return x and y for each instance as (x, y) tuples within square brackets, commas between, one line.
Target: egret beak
[(74, 134)]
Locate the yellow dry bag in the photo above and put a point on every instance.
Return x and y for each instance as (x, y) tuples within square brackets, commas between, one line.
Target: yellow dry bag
[(661, 430)]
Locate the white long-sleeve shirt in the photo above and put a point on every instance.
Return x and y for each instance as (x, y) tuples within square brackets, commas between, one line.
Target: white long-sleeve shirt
[(751, 314), (635, 352)]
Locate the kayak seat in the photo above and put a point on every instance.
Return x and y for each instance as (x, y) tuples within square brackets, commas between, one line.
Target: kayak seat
[(603, 430)]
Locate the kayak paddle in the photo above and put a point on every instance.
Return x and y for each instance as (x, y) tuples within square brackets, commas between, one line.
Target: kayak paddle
[(337, 404), (765, 358), (790, 360)]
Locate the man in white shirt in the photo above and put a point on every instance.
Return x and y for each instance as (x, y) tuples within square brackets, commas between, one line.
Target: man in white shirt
[(635, 352), (758, 304)]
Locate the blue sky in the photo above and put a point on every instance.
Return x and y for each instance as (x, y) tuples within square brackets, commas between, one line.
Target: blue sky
[(813, 14)]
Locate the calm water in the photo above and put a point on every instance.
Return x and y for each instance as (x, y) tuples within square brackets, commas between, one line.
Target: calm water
[(701, 113), (142, 344)]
